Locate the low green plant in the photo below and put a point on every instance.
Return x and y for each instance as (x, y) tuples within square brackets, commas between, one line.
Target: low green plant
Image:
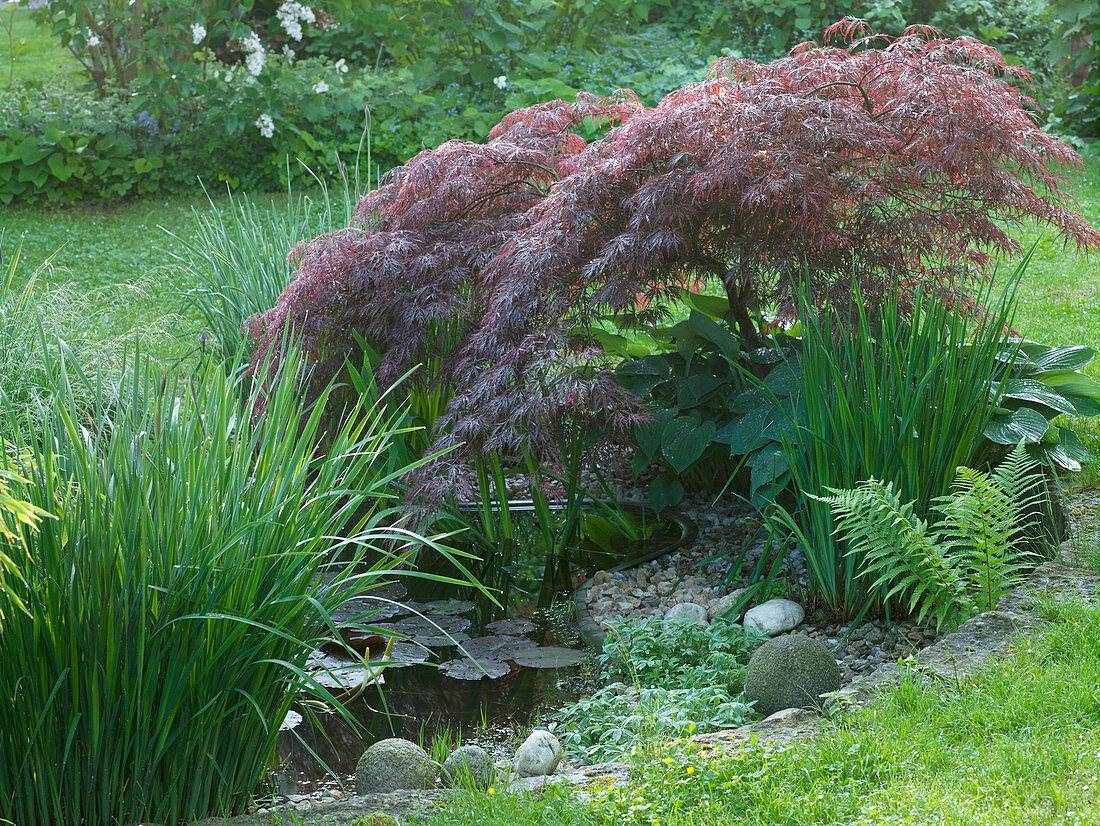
[(903, 397), (708, 419), (618, 719), (681, 678), (172, 603), (1033, 385), (654, 653), (961, 565), (1014, 742)]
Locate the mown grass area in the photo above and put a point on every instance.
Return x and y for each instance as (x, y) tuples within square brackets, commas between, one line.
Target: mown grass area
[(1060, 295), (30, 52), (1018, 742), (119, 260)]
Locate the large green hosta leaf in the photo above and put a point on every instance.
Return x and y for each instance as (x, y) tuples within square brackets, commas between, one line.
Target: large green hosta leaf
[(1021, 425), (684, 440)]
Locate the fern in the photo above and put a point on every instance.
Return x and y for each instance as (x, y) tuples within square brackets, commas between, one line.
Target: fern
[(984, 523), (895, 547), (965, 563)]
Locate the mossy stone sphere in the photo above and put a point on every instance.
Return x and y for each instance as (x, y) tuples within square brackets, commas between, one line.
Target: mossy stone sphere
[(791, 671)]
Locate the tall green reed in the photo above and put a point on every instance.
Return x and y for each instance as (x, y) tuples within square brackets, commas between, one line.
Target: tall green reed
[(239, 257), (903, 397), (172, 602)]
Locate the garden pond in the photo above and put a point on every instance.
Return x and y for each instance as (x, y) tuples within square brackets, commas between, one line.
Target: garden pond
[(431, 668)]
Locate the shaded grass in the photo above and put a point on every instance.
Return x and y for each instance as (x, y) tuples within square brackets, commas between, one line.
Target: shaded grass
[(1018, 742), (29, 52), (94, 250)]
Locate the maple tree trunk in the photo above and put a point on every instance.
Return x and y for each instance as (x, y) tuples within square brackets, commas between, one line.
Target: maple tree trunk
[(739, 310)]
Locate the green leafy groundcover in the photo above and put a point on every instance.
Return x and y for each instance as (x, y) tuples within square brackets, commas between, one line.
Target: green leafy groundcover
[(664, 680)]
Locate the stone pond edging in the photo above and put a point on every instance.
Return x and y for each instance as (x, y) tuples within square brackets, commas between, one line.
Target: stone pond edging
[(981, 638)]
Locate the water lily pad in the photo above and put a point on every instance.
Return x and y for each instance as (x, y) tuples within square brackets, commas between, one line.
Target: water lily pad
[(500, 647), (442, 640), (339, 675), (449, 606), (466, 668), (549, 657), (511, 626), (365, 610), (407, 652), (438, 625)]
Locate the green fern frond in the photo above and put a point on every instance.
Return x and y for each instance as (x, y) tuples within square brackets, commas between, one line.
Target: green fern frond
[(893, 545), (984, 522)]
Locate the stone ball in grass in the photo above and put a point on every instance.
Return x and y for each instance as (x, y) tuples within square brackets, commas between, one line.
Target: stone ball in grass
[(470, 764), (791, 671)]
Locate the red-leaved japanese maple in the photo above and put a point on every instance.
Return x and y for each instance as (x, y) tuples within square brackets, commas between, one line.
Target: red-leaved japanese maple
[(867, 159)]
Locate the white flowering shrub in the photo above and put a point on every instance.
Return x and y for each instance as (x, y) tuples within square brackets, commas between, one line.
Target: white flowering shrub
[(136, 46)]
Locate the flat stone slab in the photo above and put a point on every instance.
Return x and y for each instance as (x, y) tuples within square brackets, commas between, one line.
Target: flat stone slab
[(778, 729), (398, 804)]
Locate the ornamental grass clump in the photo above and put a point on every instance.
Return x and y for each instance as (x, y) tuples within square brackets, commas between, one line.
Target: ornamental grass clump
[(157, 634), (901, 399), (867, 161)]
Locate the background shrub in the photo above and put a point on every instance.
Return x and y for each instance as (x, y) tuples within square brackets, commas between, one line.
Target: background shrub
[(431, 71)]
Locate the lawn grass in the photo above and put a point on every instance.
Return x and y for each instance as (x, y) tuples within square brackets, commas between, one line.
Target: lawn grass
[(1060, 294), (1060, 297), (29, 52), (120, 259), (1018, 742)]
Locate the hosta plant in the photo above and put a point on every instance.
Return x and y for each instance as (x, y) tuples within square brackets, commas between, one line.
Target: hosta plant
[(1033, 385), (890, 164), (708, 420)]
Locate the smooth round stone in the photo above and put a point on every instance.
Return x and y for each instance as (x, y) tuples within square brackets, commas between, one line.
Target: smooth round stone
[(539, 755), (468, 764), (687, 612), (394, 764)]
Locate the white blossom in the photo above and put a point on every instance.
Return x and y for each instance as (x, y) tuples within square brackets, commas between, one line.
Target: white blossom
[(198, 33), (266, 125), (500, 81), (289, 52), (291, 16), (254, 54), (93, 39), (341, 65), (320, 87)]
